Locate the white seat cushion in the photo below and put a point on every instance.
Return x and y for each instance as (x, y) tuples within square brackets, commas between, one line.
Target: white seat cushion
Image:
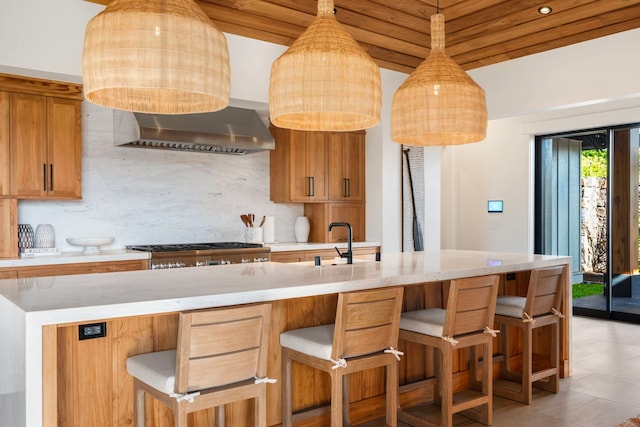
[(429, 321), (510, 306), (156, 369), (315, 341)]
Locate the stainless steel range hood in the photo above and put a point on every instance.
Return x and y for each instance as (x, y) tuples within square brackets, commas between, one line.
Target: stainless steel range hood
[(234, 130)]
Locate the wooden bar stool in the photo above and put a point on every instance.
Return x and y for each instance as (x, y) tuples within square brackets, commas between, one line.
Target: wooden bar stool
[(221, 358), (541, 307), (364, 336), (466, 322)]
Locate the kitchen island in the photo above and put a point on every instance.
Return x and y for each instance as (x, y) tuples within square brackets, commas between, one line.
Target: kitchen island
[(34, 320)]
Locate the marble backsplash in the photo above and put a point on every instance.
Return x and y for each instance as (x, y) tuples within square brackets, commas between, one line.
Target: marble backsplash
[(144, 196)]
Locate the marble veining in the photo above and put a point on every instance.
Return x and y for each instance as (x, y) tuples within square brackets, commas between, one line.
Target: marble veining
[(143, 196)]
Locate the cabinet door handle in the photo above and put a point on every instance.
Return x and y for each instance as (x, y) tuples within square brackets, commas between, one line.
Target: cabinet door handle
[(346, 191), (312, 186), (44, 176), (51, 177)]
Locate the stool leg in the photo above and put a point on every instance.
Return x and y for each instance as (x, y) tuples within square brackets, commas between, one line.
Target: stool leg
[(527, 362), (446, 387), (505, 372), (261, 407), (180, 416), (337, 412), (346, 415), (287, 410), (486, 413), (220, 416), (437, 372), (555, 357), (139, 406), (392, 394)]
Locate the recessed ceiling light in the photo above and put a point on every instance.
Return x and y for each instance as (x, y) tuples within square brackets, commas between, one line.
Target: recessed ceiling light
[(544, 10)]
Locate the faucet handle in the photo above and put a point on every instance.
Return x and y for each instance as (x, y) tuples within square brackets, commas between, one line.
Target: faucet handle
[(339, 253)]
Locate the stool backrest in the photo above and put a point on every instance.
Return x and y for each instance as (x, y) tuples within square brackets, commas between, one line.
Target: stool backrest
[(471, 305), (545, 290), (367, 322), (221, 346)]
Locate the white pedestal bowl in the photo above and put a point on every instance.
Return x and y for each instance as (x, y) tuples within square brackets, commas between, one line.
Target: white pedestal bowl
[(91, 245)]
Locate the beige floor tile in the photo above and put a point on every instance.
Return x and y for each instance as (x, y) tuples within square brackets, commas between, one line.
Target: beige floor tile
[(604, 388)]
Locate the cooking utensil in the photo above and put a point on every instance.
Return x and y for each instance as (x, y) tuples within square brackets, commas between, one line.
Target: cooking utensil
[(252, 219), (262, 222), (245, 220)]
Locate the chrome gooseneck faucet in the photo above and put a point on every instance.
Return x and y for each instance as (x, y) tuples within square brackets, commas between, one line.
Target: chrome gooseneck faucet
[(349, 254)]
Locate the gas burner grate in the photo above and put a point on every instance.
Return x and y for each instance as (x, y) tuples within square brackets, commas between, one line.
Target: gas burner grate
[(175, 247)]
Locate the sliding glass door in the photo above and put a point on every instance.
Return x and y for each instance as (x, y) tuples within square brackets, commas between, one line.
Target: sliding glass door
[(586, 206)]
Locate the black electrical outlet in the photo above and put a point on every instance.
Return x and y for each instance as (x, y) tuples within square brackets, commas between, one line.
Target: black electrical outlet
[(92, 330), (511, 276)]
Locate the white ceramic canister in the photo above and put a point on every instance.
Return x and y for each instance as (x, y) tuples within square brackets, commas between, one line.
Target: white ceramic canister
[(268, 231), (301, 229), (45, 236), (253, 234)]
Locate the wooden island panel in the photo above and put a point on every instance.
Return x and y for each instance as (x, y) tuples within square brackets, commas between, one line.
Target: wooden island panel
[(97, 367)]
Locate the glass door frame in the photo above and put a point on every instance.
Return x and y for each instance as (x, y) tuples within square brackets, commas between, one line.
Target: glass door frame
[(539, 219)]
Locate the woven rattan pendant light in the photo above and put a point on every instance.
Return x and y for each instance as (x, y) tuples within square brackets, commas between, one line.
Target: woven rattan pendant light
[(438, 104), (325, 81), (155, 56)]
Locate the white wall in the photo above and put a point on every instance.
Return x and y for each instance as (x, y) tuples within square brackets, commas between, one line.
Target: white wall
[(473, 174), (581, 86), (45, 36), (384, 174)]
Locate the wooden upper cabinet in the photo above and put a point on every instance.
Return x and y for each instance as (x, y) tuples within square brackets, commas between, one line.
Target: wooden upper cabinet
[(45, 147), (5, 175), (64, 148), (28, 133), (298, 166), (310, 167), (41, 141), (346, 166)]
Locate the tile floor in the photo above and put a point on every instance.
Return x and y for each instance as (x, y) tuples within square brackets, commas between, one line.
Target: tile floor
[(629, 305), (603, 391)]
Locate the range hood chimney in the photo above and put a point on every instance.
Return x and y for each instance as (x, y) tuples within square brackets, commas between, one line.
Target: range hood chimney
[(234, 130)]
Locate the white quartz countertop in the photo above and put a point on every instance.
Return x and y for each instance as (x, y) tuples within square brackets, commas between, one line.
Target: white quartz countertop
[(108, 295), (293, 246), (106, 255)]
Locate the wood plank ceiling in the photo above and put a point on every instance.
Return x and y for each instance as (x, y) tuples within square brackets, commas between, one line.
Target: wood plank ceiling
[(396, 33)]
